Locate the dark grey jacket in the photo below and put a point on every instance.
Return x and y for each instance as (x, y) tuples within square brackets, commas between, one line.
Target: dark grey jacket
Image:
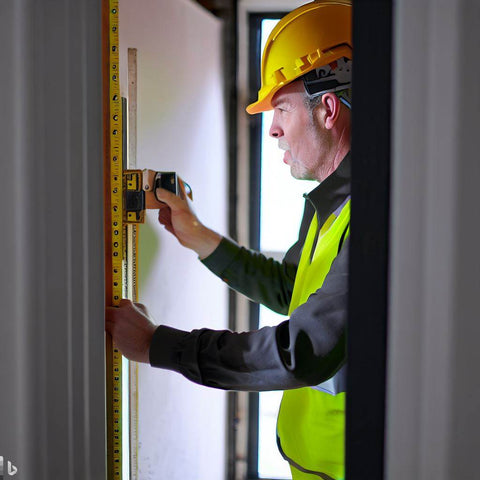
[(305, 350)]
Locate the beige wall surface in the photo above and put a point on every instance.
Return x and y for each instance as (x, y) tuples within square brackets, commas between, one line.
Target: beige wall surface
[(52, 401), (181, 127), (433, 393)]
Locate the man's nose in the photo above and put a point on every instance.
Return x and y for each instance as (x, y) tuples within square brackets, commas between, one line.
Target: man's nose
[(275, 131)]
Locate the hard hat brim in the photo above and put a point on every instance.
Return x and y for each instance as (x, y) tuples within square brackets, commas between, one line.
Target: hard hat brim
[(263, 104)]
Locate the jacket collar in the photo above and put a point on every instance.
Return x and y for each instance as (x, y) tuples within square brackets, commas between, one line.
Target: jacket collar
[(333, 191)]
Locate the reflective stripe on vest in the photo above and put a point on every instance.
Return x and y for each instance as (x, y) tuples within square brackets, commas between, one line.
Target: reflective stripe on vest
[(311, 422)]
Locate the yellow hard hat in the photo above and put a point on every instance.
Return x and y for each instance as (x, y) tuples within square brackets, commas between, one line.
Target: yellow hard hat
[(309, 37)]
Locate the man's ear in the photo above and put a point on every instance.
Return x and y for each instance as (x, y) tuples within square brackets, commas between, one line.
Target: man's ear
[(332, 105)]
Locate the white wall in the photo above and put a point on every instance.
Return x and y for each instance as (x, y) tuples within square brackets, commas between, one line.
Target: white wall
[(181, 127), (433, 419)]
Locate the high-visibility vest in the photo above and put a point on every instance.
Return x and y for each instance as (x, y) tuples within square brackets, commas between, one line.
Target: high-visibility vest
[(311, 421)]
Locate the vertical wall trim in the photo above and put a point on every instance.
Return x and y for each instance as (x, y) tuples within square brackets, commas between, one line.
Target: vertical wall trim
[(52, 407), (432, 417)]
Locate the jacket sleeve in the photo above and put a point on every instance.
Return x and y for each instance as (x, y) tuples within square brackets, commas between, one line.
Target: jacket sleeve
[(263, 280), (306, 349)]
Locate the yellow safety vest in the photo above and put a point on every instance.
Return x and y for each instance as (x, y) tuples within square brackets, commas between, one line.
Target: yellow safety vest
[(311, 423)]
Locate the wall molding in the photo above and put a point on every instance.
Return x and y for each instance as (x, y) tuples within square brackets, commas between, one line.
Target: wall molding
[(52, 415)]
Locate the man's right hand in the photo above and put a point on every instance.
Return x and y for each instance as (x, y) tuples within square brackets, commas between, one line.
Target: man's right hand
[(179, 219)]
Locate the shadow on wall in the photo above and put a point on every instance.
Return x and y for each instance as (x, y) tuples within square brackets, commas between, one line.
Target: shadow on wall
[(148, 248)]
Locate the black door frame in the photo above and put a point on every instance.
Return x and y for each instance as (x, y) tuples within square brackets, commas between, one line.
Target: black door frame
[(369, 245)]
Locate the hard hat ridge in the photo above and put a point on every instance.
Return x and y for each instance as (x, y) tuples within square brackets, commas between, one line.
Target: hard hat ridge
[(335, 77)]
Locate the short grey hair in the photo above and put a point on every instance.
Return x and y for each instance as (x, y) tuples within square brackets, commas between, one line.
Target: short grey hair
[(311, 102)]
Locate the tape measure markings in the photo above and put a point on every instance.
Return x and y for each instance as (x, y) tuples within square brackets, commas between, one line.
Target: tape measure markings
[(114, 417)]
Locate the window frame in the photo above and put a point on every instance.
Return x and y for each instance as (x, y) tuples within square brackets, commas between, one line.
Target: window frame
[(255, 162)]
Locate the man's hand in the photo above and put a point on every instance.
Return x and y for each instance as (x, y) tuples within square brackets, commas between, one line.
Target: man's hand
[(130, 326), (178, 218)]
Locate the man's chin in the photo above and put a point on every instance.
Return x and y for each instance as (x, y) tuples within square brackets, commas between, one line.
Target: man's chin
[(300, 175), (297, 175)]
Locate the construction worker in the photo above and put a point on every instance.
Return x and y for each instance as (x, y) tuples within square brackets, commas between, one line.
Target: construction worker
[(306, 80)]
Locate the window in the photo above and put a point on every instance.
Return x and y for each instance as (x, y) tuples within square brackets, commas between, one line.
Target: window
[(277, 211)]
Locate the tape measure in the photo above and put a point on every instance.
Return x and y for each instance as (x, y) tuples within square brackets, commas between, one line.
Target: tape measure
[(114, 238)]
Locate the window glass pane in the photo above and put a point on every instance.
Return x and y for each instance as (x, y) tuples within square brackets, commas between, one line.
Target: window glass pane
[(270, 462), (281, 208), (281, 198), (281, 201)]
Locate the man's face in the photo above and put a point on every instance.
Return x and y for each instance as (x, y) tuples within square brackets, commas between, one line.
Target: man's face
[(298, 134)]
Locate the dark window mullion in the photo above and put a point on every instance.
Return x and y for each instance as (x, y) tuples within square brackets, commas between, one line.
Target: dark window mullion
[(255, 130)]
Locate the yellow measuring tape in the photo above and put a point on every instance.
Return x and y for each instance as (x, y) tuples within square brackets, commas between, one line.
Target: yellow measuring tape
[(114, 237)]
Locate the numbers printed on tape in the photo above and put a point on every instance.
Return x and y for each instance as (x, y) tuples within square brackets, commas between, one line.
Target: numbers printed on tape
[(116, 171)]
